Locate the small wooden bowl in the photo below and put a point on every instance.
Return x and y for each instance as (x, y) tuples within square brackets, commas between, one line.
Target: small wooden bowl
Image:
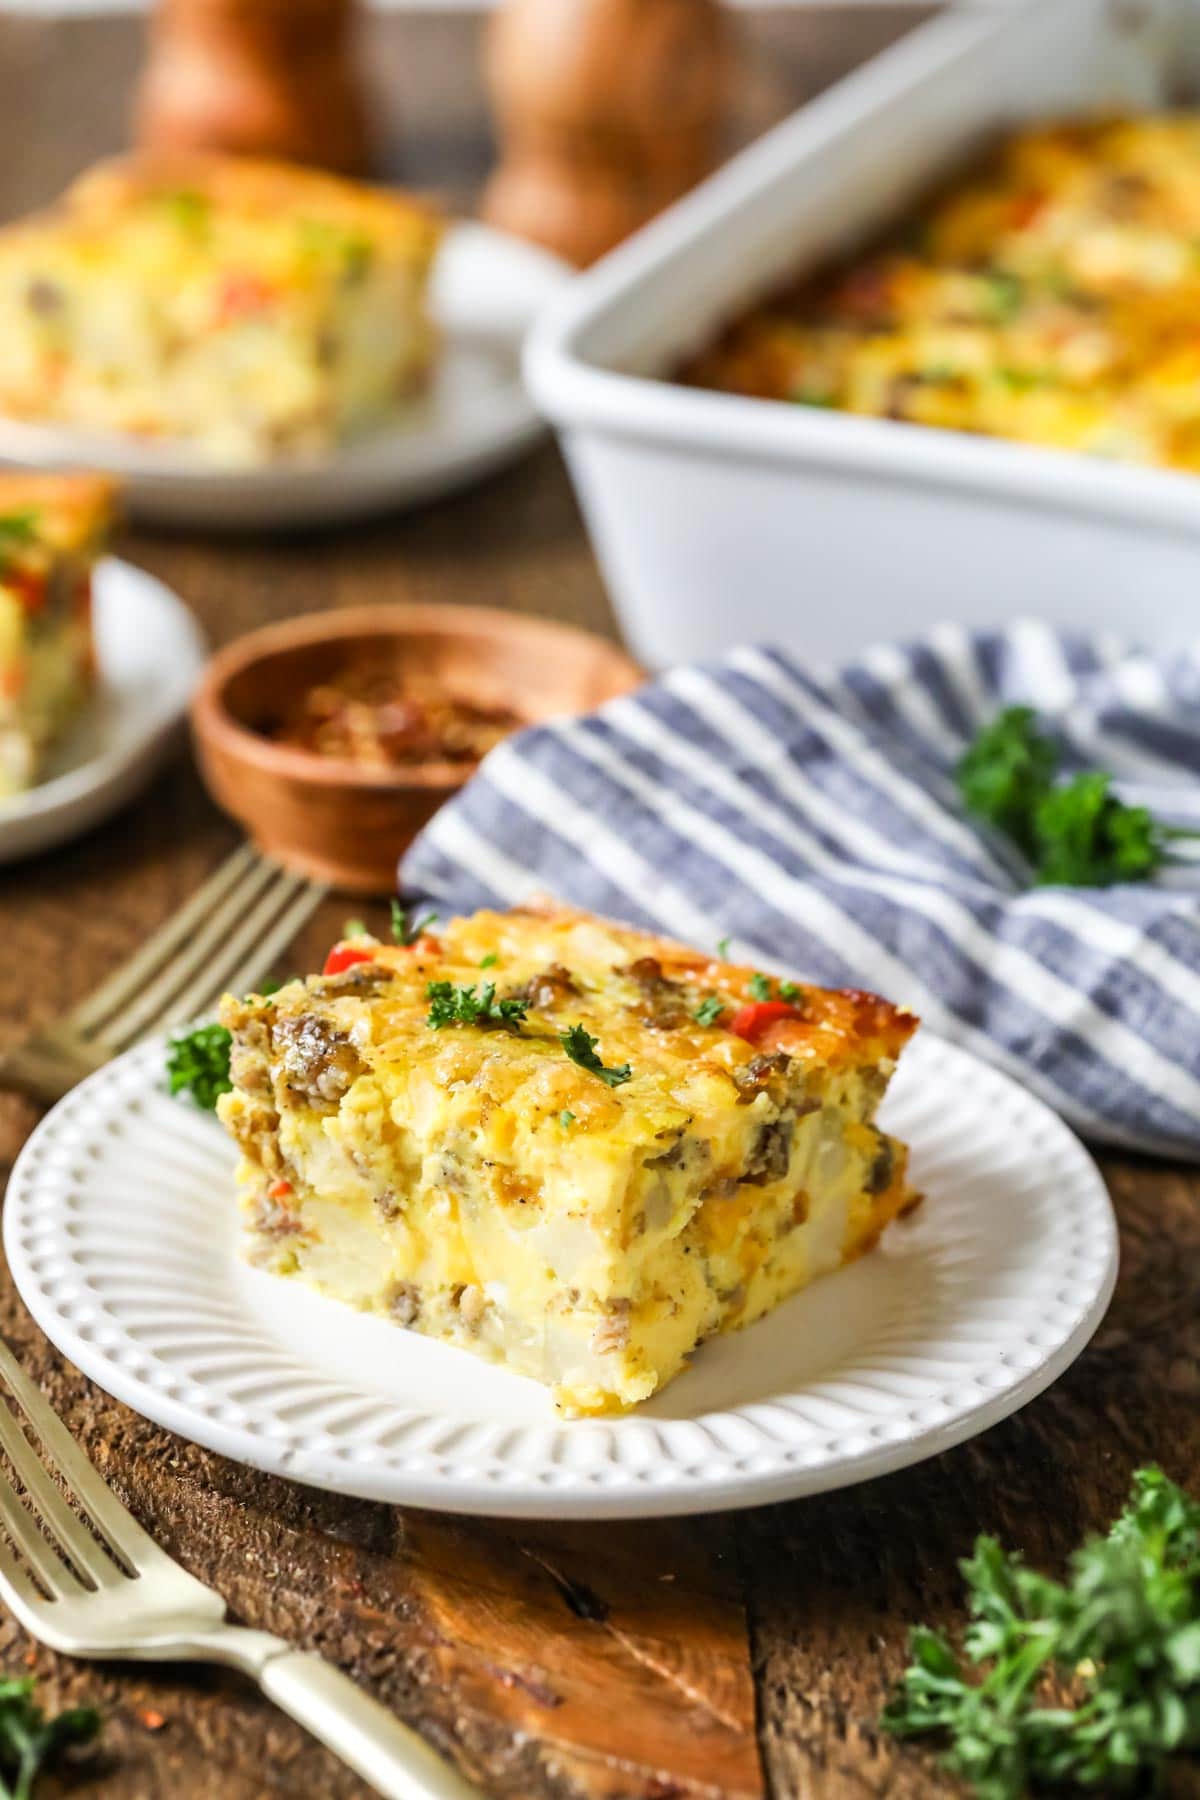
[(340, 821)]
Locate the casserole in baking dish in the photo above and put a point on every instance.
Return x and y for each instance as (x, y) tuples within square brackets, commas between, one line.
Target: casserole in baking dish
[(1052, 296), (719, 518)]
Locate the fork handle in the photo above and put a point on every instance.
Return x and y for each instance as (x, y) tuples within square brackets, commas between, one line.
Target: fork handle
[(390, 1755)]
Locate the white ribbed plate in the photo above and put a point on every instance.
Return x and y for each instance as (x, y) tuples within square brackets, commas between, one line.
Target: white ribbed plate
[(121, 1232)]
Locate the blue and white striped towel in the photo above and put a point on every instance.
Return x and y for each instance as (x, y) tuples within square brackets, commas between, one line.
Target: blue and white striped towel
[(814, 820)]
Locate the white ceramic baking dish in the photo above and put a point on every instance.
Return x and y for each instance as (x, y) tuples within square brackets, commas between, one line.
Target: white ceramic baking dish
[(720, 519)]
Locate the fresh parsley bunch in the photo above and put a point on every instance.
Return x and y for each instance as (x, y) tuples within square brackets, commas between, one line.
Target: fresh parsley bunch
[(29, 1741), (1076, 833), (1121, 1638), (1006, 772)]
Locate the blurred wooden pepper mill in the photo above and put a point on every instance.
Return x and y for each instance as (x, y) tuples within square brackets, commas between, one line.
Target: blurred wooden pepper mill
[(607, 110), (255, 77)]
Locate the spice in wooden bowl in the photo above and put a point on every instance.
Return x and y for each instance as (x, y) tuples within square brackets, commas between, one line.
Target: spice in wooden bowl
[(387, 719), (334, 737)]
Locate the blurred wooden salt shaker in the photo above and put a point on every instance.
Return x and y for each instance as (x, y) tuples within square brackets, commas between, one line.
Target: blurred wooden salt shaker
[(607, 110), (255, 77)]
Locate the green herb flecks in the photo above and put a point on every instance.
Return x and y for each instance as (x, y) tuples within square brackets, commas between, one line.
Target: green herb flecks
[(709, 1010), (406, 926), (566, 1119), (18, 527), (190, 210), (266, 990), (354, 928), (450, 1005), (30, 1742), (580, 1046), (489, 961), (18, 530), (938, 374), (198, 1064), (723, 946), (1005, 295), (1023, 381), (760, 988), (823, 398), (1121, 1635), (351, 251), (1076, 833)]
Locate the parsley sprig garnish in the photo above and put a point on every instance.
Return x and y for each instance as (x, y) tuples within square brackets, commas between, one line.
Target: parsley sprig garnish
[(709, 1010), (406, 926), (1006, 772), (1076, 833), (198, 1064), (580, 1046), (450, 1005), (29, 1741), (1122, 1633)]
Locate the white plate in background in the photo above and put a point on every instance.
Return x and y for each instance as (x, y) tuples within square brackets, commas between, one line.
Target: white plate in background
[(150, 652), (120, 1227), (487, 288)]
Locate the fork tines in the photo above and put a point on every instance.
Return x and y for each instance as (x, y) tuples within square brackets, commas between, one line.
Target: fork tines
[(228, 936), (63, 1555)]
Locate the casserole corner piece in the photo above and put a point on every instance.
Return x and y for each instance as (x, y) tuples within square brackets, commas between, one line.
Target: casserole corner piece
[(52, 530), (569, 1147)]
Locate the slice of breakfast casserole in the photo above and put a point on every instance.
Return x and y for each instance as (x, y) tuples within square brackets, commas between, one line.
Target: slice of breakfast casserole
[(562, 1144), (52, 527), (251, 309)]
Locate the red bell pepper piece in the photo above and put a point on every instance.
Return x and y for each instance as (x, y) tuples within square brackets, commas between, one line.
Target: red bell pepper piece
[(29, 586), (242, 294), (752, 1021), (344, 956)]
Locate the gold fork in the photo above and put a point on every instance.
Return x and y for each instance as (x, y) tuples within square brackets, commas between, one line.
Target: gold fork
[(226, 937), (111, 1592)]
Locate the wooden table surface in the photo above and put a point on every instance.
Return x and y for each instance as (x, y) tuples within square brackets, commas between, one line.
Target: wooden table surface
[(725, 1657)]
